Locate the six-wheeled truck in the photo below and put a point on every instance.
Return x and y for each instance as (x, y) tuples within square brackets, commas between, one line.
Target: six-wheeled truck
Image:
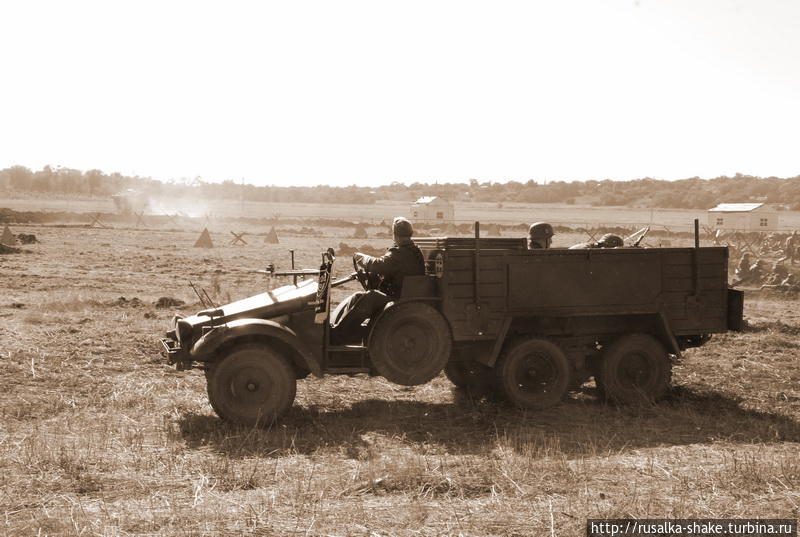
[(526, 325)]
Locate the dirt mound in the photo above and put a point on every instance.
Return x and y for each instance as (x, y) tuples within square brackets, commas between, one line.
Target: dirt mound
[(27, 238), (169, 302), (346, 249), (123, 302)]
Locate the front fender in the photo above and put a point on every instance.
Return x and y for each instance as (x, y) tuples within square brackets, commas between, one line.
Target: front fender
[(217, 336)]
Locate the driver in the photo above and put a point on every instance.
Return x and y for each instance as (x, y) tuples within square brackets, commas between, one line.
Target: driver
[(402, 259), (384, 277)]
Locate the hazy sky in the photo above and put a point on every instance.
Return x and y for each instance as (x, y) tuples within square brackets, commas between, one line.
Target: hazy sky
[(345, 92)]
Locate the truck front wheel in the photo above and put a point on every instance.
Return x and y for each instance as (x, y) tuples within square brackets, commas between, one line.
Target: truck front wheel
[(251, 385), (410, 343), (533, 373), (634, 369)]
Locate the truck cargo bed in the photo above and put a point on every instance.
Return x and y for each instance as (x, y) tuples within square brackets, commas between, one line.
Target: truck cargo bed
[(687, 285)]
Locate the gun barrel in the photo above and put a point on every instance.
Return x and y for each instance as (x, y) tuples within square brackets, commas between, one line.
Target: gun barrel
[(294, 272)]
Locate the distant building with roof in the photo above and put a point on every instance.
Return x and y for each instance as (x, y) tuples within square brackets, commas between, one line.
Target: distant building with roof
[(432, 209), (744, 217)]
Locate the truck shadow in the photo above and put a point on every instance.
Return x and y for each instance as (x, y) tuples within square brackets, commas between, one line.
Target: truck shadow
[(580, 426)]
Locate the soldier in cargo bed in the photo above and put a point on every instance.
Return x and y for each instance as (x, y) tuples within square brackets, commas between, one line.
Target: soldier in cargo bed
[(385, 275)]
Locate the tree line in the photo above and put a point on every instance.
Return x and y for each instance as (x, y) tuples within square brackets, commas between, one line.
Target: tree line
[(692, 193)]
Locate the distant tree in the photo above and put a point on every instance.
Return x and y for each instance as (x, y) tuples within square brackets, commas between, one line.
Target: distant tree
[(20, 178), (94, 180)]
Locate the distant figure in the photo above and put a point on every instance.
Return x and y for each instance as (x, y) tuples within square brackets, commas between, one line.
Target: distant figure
[(766, 243), (744, 262), (757, 270), (609, 240), (540, 235), (792, 249), (743, 269)]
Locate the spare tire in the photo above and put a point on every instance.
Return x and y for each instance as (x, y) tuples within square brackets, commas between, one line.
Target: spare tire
[(409, 343)]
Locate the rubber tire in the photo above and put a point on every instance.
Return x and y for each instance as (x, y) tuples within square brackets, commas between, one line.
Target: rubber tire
[(614, 384), (509, 374), (409, 343), (468, 375), (264, 367)]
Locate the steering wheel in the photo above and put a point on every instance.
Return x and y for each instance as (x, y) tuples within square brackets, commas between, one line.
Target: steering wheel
[(360, 274)]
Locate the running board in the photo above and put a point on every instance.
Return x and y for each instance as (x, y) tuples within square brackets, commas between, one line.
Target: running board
[(346, 370), (347, 348)]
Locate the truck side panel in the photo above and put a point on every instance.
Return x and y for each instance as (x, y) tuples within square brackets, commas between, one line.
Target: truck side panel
[(584, 280), (703, 312), (689, 286), (458, 293)]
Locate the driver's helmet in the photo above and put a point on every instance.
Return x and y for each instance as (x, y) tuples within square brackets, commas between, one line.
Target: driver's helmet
[(609, 240), (402, 227)]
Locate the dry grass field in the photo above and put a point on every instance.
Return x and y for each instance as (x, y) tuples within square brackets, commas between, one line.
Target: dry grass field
[(99, 437)]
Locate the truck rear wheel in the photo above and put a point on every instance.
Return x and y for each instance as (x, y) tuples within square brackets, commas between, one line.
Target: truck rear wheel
[(251, 385), (410, 343), (533, 373), (634, 369)]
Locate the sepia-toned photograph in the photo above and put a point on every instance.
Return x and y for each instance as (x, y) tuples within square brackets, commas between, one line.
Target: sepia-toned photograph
[(416, 269)]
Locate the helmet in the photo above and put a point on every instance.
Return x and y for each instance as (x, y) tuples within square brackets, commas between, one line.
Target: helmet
[(540, 230), (609, 240), (402, 227)]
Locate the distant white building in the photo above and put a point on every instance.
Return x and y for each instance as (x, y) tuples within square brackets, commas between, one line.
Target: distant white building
[(433, 209), (744, 217)]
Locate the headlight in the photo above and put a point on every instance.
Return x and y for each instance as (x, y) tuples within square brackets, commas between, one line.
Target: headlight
[(179, 329)]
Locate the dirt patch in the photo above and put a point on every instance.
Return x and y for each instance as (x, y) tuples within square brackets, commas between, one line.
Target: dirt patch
[(345, 249), (771, 326), (169, 302), (123, 302), (27, 238)]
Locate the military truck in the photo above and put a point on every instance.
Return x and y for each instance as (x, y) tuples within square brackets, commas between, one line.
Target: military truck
[(526, 325)]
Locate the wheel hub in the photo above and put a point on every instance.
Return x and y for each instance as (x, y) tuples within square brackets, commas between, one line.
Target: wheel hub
[(634, 370), (409, 343), (536, 374), (250, 386)]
